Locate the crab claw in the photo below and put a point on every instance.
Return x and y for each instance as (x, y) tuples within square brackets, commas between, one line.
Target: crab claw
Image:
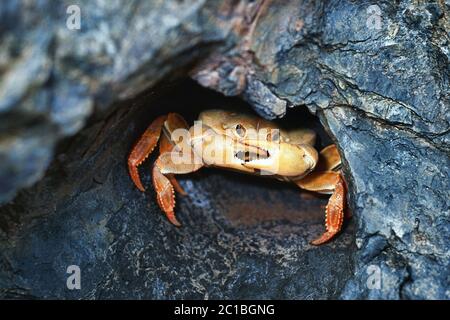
[(334, 213), (142, 149)]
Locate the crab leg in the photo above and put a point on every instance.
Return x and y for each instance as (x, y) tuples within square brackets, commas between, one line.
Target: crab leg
[(165, 195), (165, 145), (325, 182), (163, 171), (164, 168), (334, 213), (147, 143), (328, 182), (329, 159), (143, 148)]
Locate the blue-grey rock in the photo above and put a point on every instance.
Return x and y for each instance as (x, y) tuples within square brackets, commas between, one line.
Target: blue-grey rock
[(376, 74), (242, 237), (60, 75)]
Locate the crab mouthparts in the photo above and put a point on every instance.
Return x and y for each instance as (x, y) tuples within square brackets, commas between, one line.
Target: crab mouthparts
[(248, 156)]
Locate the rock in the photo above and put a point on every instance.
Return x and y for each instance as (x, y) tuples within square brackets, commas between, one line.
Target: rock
[(242, 236), (378, 77), (53, 76), (375, 73)]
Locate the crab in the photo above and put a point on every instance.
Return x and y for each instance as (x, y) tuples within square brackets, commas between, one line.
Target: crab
[(244, 143)]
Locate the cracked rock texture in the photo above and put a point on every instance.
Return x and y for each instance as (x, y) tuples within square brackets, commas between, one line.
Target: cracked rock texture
[(376, 73), (242, 236), (52, 78), (382, 90)]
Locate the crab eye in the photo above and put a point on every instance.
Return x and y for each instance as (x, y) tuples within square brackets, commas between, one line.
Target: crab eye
[(240, 131), (273, 135)]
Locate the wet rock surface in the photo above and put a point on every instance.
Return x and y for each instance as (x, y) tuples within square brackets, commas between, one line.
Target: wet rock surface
[(54, 76), (376, 76), (242, 236)]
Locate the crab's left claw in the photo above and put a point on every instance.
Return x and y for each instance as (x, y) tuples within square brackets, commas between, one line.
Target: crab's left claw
[(334, 213)]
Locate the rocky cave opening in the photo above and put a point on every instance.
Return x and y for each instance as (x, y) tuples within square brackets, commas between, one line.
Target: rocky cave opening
[(380, 90), (242, 236), (245, 199)]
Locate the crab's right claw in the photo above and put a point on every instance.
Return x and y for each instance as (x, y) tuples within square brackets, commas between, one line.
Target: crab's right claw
[(142, 149)]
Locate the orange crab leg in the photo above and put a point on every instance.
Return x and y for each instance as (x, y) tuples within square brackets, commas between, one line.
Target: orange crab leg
[(329, 159), (325, 180), (143, 148), (176, 185), (166, 146), (334, 213), (163, 169), (164, 193)]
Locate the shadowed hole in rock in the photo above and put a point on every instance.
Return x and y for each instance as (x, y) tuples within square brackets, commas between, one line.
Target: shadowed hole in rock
[(243, 199), (86, 209)]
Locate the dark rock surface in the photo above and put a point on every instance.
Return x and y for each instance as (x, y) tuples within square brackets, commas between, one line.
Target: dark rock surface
[(52, 78), (377, 77), (242, 236), (383, 92)]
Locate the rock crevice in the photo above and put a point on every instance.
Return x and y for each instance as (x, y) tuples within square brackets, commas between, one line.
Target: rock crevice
[(375, 73)]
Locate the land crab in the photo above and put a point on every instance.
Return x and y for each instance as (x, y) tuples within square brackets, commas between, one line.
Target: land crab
[(244, 143)]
